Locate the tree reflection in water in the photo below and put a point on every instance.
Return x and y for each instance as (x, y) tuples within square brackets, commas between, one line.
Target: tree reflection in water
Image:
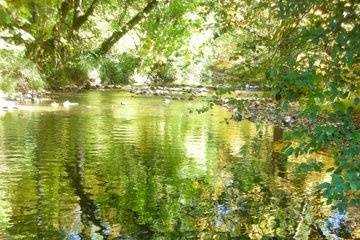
[(146, 171)]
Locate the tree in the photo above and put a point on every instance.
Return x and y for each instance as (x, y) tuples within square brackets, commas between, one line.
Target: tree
[(58, 26), (316, 64), (311, 58)]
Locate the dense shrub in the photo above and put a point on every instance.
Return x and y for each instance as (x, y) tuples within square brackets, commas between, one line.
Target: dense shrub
[(77, 73), (162, 73), (118, 71), (18, 73)]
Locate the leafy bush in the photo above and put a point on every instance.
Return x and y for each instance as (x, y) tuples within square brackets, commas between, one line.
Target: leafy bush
[(77, 73), (162, 73), (18, 73), (72, 71), (118, 71)]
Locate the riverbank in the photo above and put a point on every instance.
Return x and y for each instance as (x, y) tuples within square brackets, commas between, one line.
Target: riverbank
[(255, 105)]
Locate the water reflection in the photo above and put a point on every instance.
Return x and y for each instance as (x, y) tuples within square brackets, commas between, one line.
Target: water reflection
[(143, 170)]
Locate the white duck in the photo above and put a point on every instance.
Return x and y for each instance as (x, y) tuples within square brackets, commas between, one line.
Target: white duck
[(68, 104)]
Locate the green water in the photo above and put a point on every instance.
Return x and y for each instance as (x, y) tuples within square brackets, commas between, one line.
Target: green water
[(123, 167)]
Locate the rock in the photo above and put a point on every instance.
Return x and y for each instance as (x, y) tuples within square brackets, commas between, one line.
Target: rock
[(251, 87), (94, 78), (35, 99), (192, 97), (287, 120), (237, 116), (204, 90), (227, 106), (201, 94)]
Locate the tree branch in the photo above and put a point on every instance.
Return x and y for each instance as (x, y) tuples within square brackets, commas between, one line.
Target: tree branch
[(79, 17), (64, 9), (117, 35)]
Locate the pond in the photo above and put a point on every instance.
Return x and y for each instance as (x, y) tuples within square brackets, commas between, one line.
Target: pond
[(124, 167)]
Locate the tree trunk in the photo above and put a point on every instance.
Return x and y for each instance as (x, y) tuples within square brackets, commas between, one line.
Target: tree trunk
[(79, 17), (117, 35)]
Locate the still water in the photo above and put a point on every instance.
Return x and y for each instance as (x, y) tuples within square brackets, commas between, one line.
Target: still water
[(124, 167)]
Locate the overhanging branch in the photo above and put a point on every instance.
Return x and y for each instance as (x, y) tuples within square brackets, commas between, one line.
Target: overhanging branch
[(117, 35)]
